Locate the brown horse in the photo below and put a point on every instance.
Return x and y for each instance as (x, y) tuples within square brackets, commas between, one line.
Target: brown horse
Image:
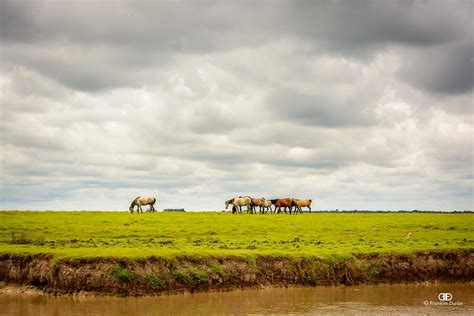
[(279, 203), (299, 203), (143, 200)]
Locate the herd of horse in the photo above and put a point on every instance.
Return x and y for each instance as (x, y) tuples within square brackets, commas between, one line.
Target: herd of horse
[(264, 205)]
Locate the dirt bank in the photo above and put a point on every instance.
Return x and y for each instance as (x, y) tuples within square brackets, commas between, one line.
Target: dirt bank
[(154, 276)]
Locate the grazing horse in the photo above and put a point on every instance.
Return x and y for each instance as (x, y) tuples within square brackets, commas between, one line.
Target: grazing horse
[(299, 203), (279, 203), (261, 203), (143, 200), (238, 202)]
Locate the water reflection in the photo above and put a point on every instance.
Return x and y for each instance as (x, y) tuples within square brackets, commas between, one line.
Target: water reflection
[(375, 299)]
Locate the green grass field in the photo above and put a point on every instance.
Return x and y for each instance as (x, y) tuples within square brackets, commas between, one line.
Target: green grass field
[(120, 234)]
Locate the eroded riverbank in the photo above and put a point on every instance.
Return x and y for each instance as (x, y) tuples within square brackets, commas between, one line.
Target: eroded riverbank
[(156, 276)]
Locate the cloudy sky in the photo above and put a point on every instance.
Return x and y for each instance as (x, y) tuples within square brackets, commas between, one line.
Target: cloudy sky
[(355, 104)]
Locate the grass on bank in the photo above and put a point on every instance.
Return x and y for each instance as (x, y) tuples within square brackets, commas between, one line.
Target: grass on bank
[(120, 234)]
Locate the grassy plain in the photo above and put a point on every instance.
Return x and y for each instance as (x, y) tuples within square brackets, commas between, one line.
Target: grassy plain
[(120, 234)]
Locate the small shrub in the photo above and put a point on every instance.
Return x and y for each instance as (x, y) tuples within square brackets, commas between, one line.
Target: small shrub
[(251, 261), (373, 272), (219, 270), (155, 282), (310, 277), (182, 276), (199, 274), (124, 274)]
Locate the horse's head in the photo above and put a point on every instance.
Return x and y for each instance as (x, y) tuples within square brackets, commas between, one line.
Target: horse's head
[(134, 202), (228, 202)]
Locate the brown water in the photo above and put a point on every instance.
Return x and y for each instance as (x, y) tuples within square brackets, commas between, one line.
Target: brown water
[(355, 300)]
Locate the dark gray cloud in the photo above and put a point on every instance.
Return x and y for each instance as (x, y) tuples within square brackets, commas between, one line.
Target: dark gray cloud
[(206, 24), (104, 45), (444, 70), (361, 104), (320, 109)]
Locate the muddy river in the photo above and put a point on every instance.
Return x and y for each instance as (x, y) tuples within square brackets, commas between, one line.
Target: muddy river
[(432, 299)]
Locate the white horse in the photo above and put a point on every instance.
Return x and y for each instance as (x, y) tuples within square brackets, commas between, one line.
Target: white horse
[(143, 200), (238, 202), (267, 206)]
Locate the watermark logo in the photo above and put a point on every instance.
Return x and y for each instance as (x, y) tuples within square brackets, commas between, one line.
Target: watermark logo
[(443, 299)]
